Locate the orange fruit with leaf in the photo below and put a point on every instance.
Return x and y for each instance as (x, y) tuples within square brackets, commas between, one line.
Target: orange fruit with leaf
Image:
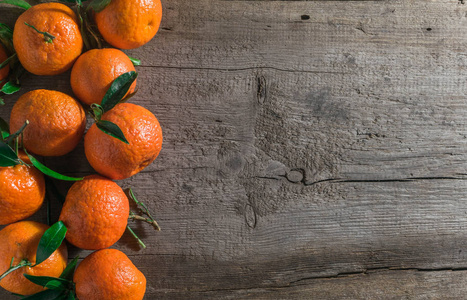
[(56, 122), (128, 24), (96, 212), (19, 243), (119, 160), (47, 38), (109, 275), (22, 192), (94, 72)]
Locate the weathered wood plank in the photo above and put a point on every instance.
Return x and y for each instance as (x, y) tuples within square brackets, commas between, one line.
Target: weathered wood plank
[(300, 148), (410, 284)]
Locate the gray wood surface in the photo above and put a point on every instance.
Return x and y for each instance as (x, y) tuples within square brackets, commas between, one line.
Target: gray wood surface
[(312, 150)]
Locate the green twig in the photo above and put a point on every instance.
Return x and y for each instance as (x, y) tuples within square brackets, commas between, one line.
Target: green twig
[(136, 237), (144, 209), (153, 222), (48, 38), (22, 263), (7, 61)]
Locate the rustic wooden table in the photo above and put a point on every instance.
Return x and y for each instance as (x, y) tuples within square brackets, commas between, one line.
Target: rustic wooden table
[(312, 150)]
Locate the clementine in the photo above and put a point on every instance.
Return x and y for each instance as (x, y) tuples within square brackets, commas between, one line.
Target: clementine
[(96, 212), (47, 38), (22, 192), (115, 159), (56, 122), (94, 72), (5, 70), (128, 24), (20, 241), (109, 274)]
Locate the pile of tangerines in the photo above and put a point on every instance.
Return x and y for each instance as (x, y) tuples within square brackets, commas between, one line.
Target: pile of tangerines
[(49, 39)]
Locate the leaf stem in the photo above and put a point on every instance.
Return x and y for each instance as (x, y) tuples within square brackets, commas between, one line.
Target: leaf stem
[(48, 38), (22, 263), (144, 209), (7, 61), (16, 134), (153, 222), (16, 146), (136, 237)]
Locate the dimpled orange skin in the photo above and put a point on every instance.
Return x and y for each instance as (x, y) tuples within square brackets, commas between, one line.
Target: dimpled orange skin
[(129, 24), (94, 72), (3, 71), (115, 159), (56, 122), (96, 212), (20, 240), (109, 275), (35, 54), (22, 192)]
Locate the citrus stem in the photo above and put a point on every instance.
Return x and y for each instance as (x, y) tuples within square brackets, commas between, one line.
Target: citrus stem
[(153, 222), (47, 36), (7, 61), (16, 146), (18, 133), (136, 237), (144, 209), (22, 263)]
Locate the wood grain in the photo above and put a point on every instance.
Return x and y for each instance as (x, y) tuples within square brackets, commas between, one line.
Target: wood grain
[(304, 158)]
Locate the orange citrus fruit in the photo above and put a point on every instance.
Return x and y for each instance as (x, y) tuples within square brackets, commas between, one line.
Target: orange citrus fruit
[(96, 212), (20, 241), (56, 122), (94, 72), (46, 56), (109, 275), (115, 159), (3, 71), (128, 24), (22, 192)]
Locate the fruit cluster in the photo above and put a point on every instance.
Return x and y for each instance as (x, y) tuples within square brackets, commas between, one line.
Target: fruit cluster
[(49, 39)]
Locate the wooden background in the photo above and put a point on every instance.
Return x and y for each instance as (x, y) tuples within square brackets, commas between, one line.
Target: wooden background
[(312, 150)]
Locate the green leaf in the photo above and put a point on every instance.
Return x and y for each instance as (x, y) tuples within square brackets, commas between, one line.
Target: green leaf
[(20, 3), (6, 37), (8, 157), (4, 129), (73, 1), (71, 296), (49, 282), (70, 269), (2, 102), (10, 88), (112, 129), (118, 90), (99, 5), (45, 295), (5, 31), (135, 61), (50, 241), (50, 172)]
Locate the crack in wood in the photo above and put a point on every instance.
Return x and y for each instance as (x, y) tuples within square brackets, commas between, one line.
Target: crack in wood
[(376, 269), (342, 180)]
